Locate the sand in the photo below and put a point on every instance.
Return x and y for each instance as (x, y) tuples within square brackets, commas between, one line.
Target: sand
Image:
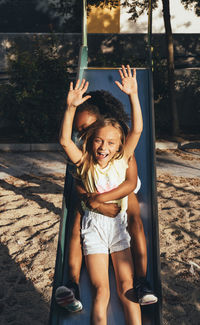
[(178, 207), (30, 207), (30, 213)]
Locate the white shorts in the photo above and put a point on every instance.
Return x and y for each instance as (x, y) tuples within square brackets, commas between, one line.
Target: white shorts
[(137, 186), (104, 235)]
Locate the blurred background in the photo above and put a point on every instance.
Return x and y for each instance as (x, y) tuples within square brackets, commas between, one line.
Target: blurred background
[(39, 48)]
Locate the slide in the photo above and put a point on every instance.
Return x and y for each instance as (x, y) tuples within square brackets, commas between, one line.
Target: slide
[(145, 155)]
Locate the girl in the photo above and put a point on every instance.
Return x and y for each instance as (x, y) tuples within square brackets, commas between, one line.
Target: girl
[(105, 154), (105, 104)]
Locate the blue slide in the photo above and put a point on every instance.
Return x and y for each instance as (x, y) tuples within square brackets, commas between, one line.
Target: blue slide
[(145, 155)]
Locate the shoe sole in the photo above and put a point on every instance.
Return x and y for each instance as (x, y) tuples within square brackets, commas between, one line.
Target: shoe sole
[(150, 300), (74, 311), (68, 306), (71, 309)]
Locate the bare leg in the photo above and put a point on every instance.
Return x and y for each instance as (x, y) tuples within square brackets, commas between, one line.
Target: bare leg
[(138, 240), (97, 265), (123, 266), (75, 251)]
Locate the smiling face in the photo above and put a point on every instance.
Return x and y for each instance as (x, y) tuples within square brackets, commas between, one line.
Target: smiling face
[(106, 144)]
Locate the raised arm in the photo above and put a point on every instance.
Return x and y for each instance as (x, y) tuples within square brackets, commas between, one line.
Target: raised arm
[(129, 86), (74, 99)]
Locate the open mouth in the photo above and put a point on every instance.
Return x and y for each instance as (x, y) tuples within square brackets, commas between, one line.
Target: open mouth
[(101, 155)]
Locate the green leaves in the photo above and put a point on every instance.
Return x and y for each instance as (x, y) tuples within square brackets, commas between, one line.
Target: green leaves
[(35, 97)]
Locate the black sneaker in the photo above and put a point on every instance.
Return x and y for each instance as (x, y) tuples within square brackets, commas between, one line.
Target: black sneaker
[(68, 297), (144, 293)]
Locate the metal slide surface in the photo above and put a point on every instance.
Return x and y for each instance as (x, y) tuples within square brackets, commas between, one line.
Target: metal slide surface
[(104, 79)]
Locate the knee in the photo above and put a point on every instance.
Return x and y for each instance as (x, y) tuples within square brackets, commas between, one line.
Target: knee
[(102, 294), (124, 287), (135, 223)]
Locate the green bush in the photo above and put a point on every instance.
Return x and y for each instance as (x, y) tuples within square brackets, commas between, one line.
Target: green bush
[(34, 98)]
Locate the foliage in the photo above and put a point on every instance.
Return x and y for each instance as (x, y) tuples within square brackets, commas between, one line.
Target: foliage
[(65, 6), (161, 96), (102, 4), (65, 15), (72, 11), (28, 16), (193, 5), (34, 99), (137, 8)]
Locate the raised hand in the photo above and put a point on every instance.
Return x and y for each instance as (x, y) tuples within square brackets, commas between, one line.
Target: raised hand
[(128, 80), (75, 96)]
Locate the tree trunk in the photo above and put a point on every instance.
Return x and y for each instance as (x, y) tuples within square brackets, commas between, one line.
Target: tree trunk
[(170, 67)]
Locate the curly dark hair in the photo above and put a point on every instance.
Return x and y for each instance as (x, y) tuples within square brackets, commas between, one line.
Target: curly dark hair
[(89, 107), (103, 103)]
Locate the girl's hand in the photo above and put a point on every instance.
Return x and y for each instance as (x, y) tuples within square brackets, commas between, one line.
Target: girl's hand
[(128, 81), (109, 209), (92, 201), (75, 96)]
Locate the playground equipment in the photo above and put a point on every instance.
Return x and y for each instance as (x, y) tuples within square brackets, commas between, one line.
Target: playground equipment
[(103, 78)]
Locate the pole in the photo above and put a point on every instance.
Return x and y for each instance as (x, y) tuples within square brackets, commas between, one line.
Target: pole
[(83, 53), (84, 24), (155, 231), (150, 48)]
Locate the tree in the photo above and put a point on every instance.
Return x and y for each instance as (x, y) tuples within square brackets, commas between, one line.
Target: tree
[(18, 16), (139, 7), (136, 8), (192, 4), (170, 68)]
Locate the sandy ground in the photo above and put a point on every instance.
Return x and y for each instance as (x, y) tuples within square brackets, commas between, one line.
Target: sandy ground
[(30, 207)]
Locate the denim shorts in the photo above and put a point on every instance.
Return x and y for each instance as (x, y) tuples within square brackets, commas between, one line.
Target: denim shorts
[(104, 235)]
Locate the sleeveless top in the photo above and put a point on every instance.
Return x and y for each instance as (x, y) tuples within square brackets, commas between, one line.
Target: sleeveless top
[(108, 178)]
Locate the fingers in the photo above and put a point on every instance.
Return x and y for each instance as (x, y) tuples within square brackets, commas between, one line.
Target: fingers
[(124, 71), (85, 98), (71, 86), (129, 70), (77, 87), (84, 89), (77, 84), (118, 84), (124, 74), (121, 74), (134, 73), (83, 86)]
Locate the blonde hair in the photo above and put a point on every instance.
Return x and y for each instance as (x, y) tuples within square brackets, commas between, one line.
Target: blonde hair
[(87, 162)]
